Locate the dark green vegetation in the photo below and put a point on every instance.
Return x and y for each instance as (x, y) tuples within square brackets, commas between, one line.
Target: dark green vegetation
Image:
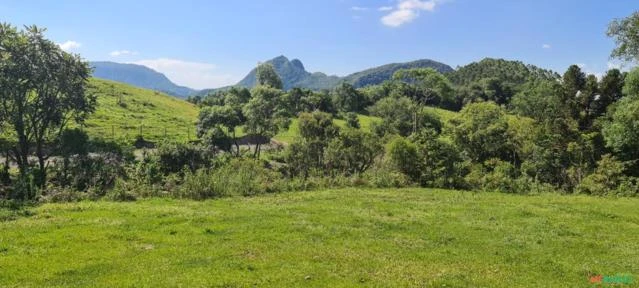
[(333, 238), (139, 76)]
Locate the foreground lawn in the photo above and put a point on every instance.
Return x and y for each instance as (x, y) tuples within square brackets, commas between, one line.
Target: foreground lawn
[(352, 237)]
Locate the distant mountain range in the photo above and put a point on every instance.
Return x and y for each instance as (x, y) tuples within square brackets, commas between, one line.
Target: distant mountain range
[(292, 72), (140, 76)]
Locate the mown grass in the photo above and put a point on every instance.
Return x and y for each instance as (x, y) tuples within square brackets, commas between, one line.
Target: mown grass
[(335, 238), (123, 111)]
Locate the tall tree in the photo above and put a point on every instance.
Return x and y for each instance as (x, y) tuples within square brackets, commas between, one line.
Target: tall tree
[(267, 76), (430, 87), (348, 99), (264, 114), (573, 82), (585, 100), (626, 34), (610, 91), (43, 90), (217, 124)]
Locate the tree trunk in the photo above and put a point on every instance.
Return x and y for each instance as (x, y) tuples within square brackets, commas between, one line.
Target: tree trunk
[(42, 174)]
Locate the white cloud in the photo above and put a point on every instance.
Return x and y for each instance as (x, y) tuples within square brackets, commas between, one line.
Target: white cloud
[(612, 65), (117, 53), (406, 11), (69, 45), (399, 17), (385, 8), (191, 74), (546, 46), (358, 8)]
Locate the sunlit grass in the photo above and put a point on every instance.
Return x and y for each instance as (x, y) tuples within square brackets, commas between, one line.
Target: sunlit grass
[(336, 238)]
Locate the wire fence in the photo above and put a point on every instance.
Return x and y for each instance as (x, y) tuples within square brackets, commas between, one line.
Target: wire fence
[(149, 133)]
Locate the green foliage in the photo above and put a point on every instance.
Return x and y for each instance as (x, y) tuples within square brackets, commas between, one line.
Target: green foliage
[(621, 133), (403, 155), (174, 157), (540, 100), (352, 121), (439, 162), (384, 175), (611, 90), (378, 75), (217, 126), (348, 99), (626, 35), (266, 76), (265, 116), (493, 175), (508, 72), (631, 84), (608, 179), (236, 178), (95, 174), (352, 152), (315, 132), (398, 115), (427, 87), (43, 89), (481, 132)]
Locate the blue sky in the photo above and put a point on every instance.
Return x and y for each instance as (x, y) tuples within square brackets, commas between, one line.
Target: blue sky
[(213, 43)]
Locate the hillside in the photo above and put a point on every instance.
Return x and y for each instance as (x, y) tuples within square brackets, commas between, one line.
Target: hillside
[(334, 238), (123, 111), (293, 74), (139, 76), (380, 74), (514, 72)]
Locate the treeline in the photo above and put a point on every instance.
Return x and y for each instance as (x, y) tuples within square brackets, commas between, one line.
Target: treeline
[(518, 129)]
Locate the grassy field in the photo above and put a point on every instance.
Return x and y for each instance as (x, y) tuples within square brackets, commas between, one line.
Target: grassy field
[(336, 238), (152, 113)]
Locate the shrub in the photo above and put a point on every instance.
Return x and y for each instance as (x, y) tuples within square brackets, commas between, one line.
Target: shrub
[(82, 173), (492, 175), (62, 195), (173, 157), (385, 175), (122, 192), (402, 154), (352, 121), (352, 152), (608, 179), (239, 177)]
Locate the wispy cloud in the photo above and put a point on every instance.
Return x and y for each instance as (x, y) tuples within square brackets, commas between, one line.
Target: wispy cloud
[(359, 8), (118, 53), (69, 45), (546, 46), (407, 11), (196, 75), (385, 8)]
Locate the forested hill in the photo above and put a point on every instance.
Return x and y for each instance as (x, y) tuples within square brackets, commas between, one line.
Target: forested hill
[(293, 74), (514, 72), (377, 75)]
